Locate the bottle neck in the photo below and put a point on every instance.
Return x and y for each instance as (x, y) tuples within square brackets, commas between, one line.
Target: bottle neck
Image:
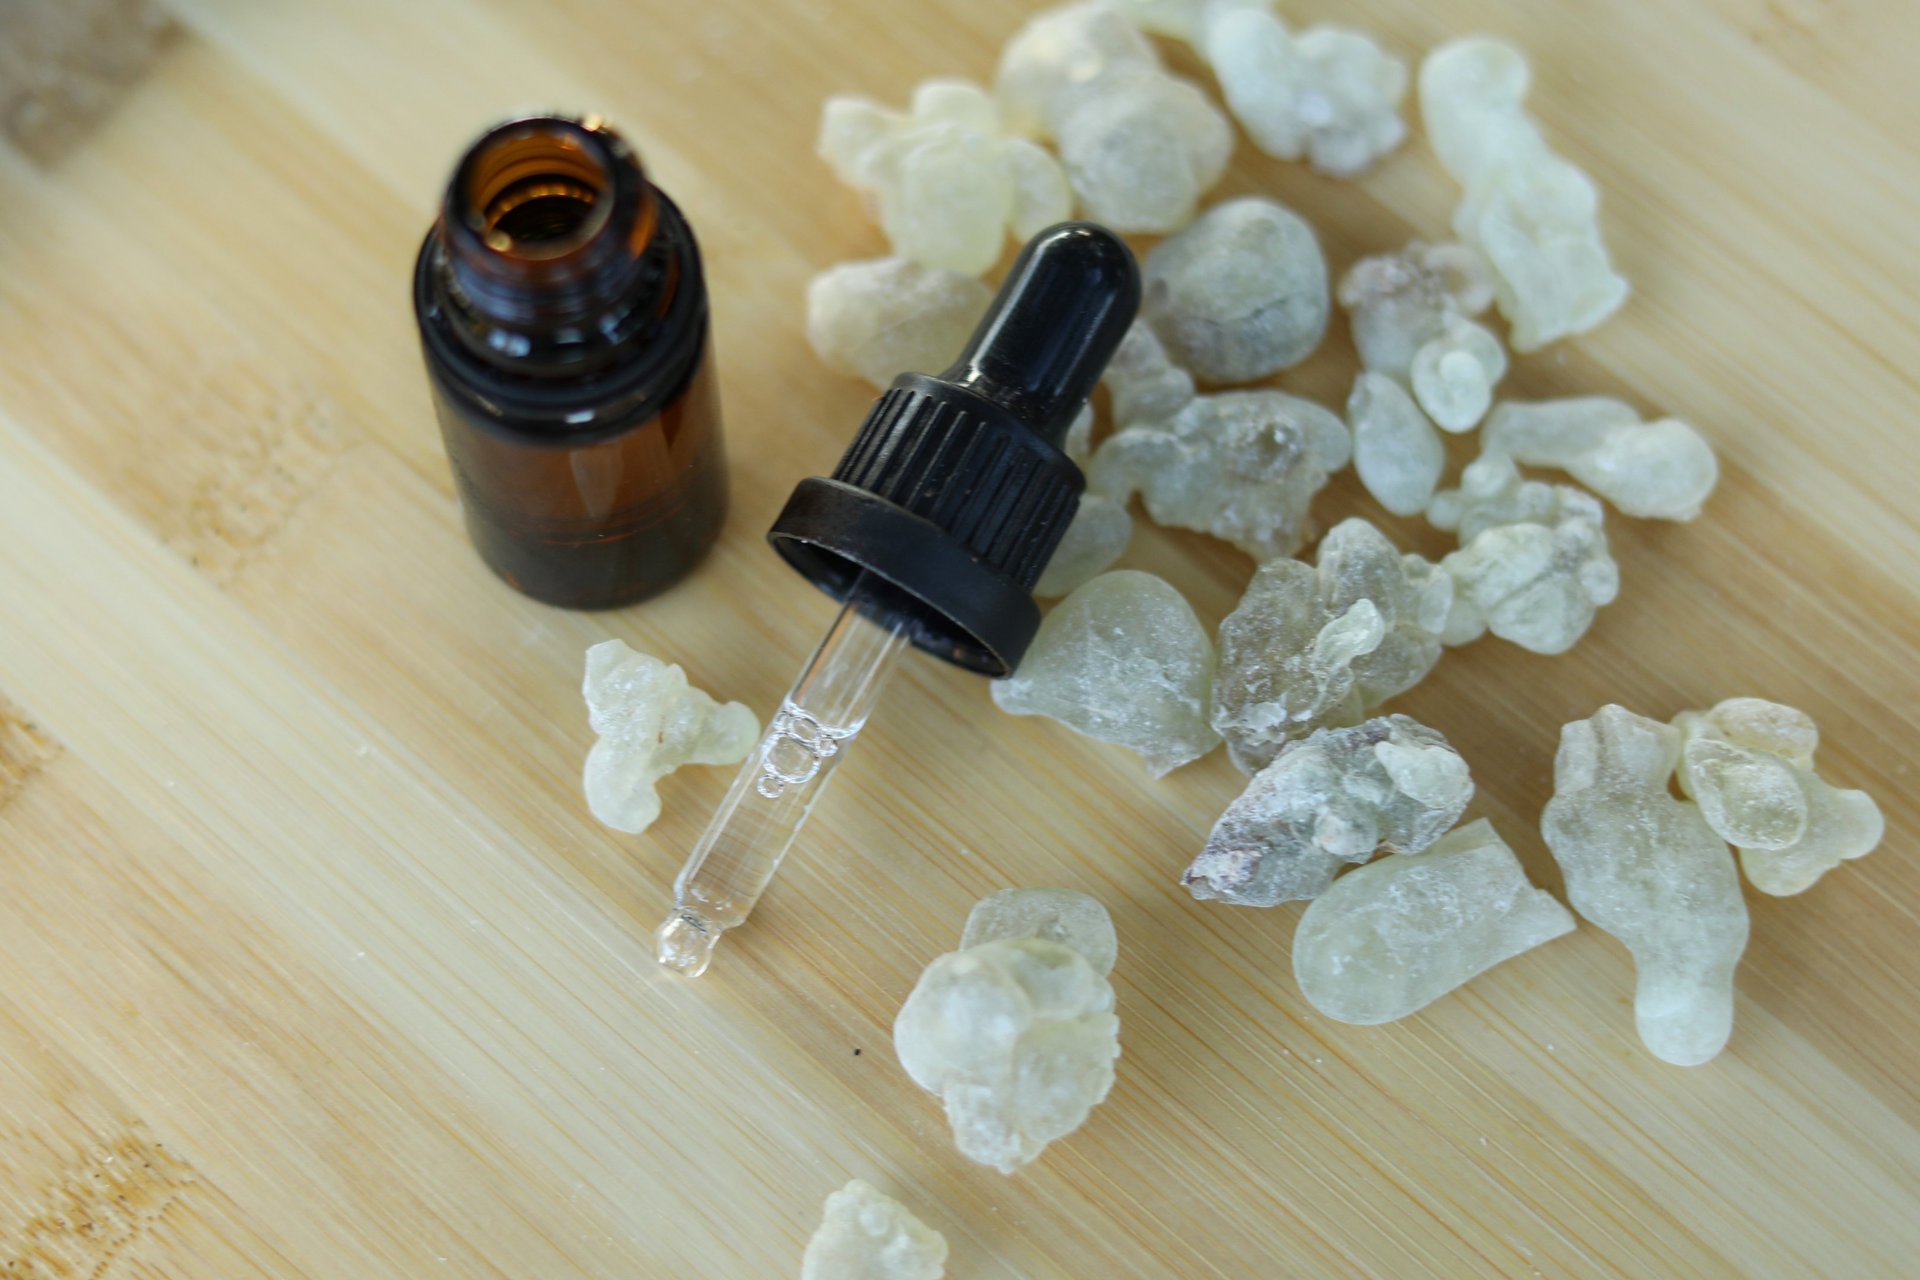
[(550, 260)]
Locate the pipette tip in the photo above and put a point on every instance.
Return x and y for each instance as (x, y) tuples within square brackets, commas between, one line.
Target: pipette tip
[(684, 943)]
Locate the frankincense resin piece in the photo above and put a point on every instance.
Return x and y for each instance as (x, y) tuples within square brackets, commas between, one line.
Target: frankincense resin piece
[(1018, 1037), (1660, 470), (650, 722), (1057, 915), (1649, 870), (1406, 929), (885, 317), (865, 1235), (1336, 797), (1122, 659), (1748, 763), (1396, 452), (1140, 147), (1060, 48), (1400, 302), (1097, 537)]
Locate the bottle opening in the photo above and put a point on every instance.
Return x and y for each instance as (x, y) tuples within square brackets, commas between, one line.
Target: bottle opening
[(536, 189)]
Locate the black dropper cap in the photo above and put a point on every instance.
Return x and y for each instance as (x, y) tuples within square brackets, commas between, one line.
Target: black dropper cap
[(955, 493)]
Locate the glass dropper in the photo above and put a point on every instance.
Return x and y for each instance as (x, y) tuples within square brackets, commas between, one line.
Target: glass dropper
[(776, 788), (932, 530)]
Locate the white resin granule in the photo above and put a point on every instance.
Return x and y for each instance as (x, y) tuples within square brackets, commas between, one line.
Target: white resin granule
[(1533, 214), (1018, 1038), (650, 721), (1660, 470), (1240, 294), (947, 182), (1455, 372), (1057, 915), (885, 317), (1122, 659), (1241, 465), (1533, 566), (1400, 302), (1060, 48), (1140, 147), (1649, 870), (1338, 796), (1144, 383), (865, 1235), (1748, 763), (1315, 647), (1404, 930), (1328, 95), (1396, 452)]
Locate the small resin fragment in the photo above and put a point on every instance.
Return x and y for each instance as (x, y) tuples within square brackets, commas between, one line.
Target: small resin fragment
[(1122, 659), (1329, 95), (1097, 537), (948, 184), (1649, 870), (885, 317), (1338, 796), (1748, 763), (1240, 294), (1060, 48), (1140, 147), (1240, 465), (1057, 915), (1533, 214), (1454, 374), (1145, 385), (1659, 470), (1533, 566), (1399, 302), (865, 1235), (650, 722), (1018, 1037), (1402, 931), (1396, 451), (1078, 446), (1309, 648)]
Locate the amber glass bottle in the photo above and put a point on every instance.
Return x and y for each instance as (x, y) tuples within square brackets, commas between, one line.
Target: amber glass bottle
[(563, 314)]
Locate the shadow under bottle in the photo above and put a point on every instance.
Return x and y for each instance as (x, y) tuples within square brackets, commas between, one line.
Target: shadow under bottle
[(564, 319)]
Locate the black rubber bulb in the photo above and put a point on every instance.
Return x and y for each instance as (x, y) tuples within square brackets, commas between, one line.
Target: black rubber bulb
[(954, 494), (1045, 341)]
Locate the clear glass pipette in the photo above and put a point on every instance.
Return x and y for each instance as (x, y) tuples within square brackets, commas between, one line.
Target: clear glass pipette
[(932, 530)]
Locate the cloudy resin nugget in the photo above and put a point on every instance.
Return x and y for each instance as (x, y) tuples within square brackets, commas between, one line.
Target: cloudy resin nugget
[(650, 722), (1748, 763), (1336, 797), (1404, 930), (865, 1235), (1122, 659), (1649, 870), (1659, 470), (882, 318)]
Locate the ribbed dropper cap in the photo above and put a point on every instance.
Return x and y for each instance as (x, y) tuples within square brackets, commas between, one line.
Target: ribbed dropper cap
[(954, 494)]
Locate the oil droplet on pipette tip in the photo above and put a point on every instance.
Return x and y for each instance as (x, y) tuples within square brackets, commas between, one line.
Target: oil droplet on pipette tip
[(684, 944)]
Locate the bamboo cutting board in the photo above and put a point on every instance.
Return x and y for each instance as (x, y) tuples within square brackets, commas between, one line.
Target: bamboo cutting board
[(313, 965)]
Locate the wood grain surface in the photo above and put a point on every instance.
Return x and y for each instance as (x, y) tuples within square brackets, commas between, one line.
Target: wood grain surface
[(312, 963)]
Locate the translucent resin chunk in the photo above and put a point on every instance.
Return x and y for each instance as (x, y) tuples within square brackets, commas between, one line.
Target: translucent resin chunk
[(1404, 930), (1328, 95), (1336, 797), (1146, 386), (1400, 302), (865, 1235), (1533, 566), (1315, 647), (1097, 537), (1649, 870), (1071, 919), (1240, 294), (1748, 763), (1455, 372), (1396, 451), (1659, 470), (1122, 659), (1060, 48), (1140, 147), (947, 182), (650, 722), (1242, 466), (885, 317), (1018, 1037), (1533, 214)]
